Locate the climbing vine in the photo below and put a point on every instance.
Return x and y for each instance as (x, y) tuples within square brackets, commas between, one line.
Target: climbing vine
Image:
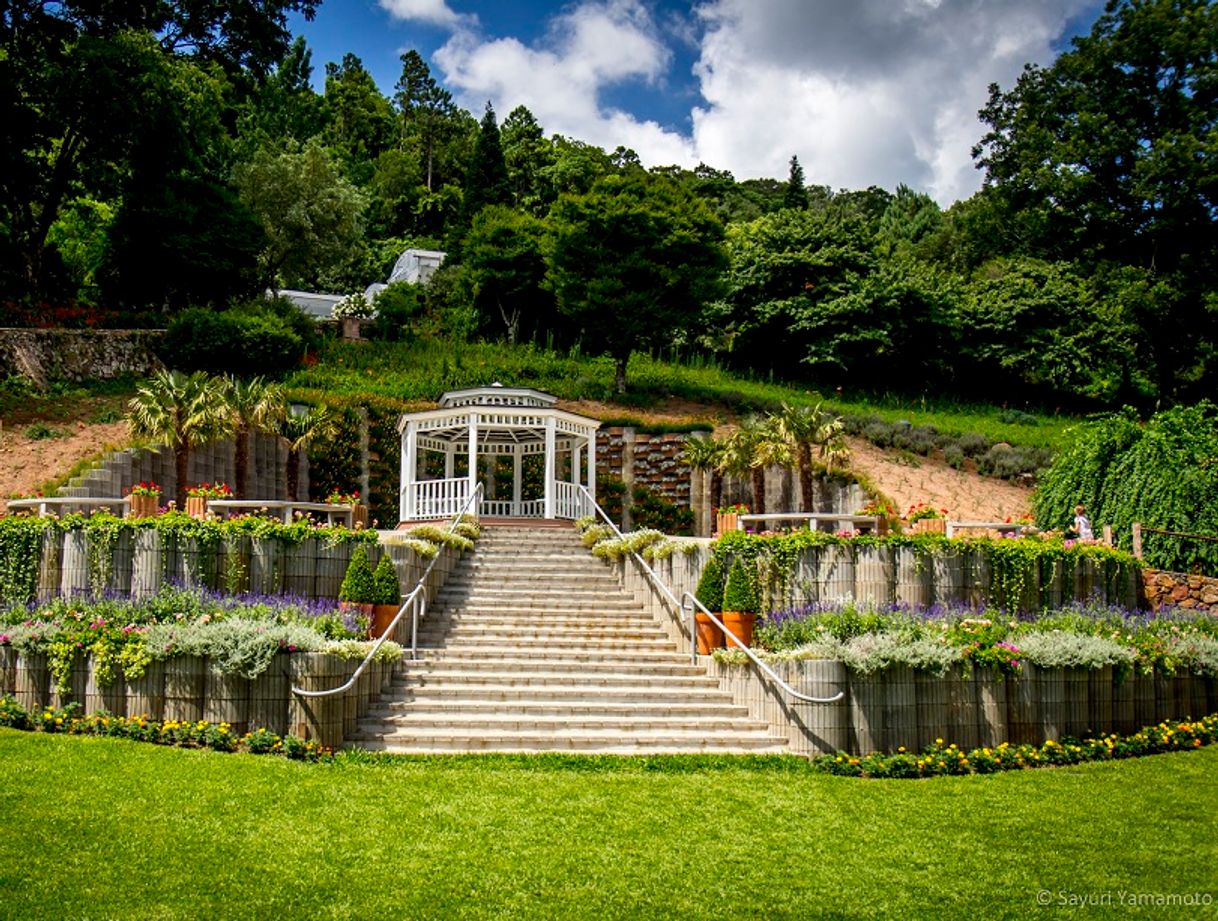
[(20, 557)]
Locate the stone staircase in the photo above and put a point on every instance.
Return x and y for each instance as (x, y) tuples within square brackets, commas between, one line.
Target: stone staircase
[(532, 646)]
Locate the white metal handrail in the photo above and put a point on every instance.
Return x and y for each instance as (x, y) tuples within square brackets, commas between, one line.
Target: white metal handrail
[(693, 629), (416, 601)]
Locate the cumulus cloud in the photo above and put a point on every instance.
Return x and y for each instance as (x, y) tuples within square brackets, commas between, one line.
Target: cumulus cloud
[(874, 92), (434, 12), (586, 49), (877, 92)]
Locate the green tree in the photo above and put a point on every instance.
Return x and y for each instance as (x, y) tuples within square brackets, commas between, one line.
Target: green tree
[(633, 262), (805, 429), (299, 430), (311, 214), (254, 405), (526, 154), (360, 124), (909, 217), (1038, 325), (504, 256), (427, 110), (1106, 156), (81, 83), (796, 194), (180, 411), (705, 453), (486, 181)]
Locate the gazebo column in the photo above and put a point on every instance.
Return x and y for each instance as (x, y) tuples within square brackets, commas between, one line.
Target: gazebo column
[(450, 457), (473, 455), (592, 466), (549, 475), (410, 467), (574, 464), (517, 478)]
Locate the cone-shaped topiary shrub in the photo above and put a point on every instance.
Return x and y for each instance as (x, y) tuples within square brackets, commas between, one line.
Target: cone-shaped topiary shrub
[(358, 584), (739, 593), (710, 586), (386, 589)]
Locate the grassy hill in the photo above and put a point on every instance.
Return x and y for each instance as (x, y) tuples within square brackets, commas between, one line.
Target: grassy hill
[(420, 371)]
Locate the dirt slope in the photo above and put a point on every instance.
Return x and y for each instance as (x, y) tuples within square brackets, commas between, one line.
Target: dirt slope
[(26, 463)]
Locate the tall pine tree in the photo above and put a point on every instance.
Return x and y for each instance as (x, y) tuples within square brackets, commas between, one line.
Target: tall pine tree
[(487, 182), (796, 194)]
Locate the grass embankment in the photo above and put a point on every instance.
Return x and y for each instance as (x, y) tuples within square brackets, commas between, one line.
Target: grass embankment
[(108, 828), (423, 370)]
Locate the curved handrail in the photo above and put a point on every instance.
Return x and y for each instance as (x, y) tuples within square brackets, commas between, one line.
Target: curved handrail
[(681, 604), (416, 601)]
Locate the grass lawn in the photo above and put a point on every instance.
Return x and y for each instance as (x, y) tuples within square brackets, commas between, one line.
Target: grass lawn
[(107, 828)]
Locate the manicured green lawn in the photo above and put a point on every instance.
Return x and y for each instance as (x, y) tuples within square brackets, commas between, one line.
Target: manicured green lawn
[(107, 828)]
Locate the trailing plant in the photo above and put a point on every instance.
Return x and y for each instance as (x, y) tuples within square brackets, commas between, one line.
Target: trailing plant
[(634, 542), (20, 557)]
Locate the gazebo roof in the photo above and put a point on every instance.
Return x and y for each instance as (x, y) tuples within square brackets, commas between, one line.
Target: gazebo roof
[(496, 395), (510, 415)]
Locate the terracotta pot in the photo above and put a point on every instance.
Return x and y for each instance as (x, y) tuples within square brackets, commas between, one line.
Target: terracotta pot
[(740, 623), (727, 521), (359, 516), (710, 637), (382, 617), (196, 506), (143, 506)]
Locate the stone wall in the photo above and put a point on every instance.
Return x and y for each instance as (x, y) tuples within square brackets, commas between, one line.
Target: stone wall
[(1179, 590), (44, 355)]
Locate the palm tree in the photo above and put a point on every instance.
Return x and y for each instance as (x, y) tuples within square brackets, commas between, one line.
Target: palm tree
[(705, 454), (805, 428), (253, 405), (750, 449), (299, 431), (180, 411)]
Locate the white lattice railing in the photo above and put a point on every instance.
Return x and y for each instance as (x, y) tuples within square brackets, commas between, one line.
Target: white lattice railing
[(570, 501), (506, 508), (438, 498)]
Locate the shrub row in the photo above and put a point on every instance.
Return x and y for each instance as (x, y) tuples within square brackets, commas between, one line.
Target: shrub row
[(202, 734), (940, 760)]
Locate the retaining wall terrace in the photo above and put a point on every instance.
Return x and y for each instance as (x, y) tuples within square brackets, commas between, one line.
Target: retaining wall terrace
[(193, 688), (899, 707), (143, 560), (1179, 590), (44, 355)]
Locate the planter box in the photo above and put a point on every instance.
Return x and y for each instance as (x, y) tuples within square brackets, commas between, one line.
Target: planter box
[(196, 506), (725, 522), (929, 526), (143, 506)]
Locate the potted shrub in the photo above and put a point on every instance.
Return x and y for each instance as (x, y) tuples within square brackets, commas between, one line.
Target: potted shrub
[(358, 590), (144, 499), (740, 603), (710, 594), (727, 517), (924, 518), (197, 497), (359, 511), (387, 596)]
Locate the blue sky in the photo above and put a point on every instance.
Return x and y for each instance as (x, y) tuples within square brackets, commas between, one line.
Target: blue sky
[(863, 91)]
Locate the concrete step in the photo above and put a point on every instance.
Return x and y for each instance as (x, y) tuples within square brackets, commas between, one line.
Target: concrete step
[(479, 720), (521, 694), (519, 613), (557, 665), (493, 641), (710, 706), (655, 686), (607, 658), (588, 740)]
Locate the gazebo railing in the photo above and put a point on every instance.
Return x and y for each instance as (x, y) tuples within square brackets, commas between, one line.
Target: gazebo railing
[(570, 500), (439, 498)]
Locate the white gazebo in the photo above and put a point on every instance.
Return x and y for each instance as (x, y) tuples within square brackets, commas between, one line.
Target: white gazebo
[(492, 423)]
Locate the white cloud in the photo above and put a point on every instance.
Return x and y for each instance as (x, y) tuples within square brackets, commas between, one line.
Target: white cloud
[(587, 48), (435, 12), (875, 92)]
